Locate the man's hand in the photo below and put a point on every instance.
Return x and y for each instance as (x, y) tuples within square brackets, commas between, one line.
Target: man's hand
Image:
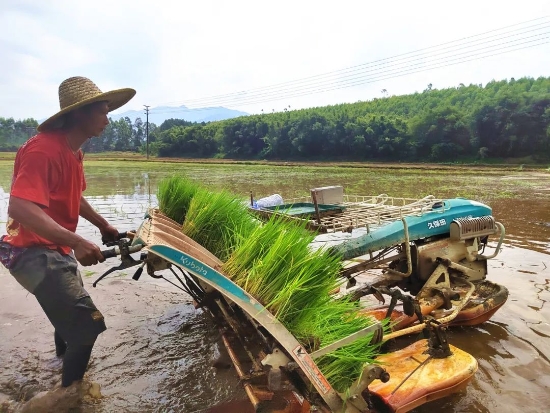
[(109, 233), (87, 253)]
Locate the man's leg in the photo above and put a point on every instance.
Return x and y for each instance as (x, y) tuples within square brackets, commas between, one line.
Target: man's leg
[(60, 345), (68, 306), (75, 363)]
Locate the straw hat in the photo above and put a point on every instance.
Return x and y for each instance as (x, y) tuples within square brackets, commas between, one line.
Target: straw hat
[(78, 91)]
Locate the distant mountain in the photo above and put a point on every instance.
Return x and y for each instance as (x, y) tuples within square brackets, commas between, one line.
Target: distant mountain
[(159, 114)]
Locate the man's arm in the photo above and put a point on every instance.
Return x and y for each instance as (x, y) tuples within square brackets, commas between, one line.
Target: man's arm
[(32, 217), (90, 214)]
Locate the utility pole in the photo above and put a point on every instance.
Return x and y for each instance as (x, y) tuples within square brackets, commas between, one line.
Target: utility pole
[(147, 128)]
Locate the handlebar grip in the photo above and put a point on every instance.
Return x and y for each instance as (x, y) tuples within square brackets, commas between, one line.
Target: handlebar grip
[(109, 253), (138, 273), (120, 235)]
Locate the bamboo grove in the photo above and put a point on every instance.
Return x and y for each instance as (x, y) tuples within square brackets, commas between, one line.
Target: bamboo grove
[(508, 119)]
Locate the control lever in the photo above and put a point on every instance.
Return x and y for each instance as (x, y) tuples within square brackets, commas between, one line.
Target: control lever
[(124, 250), (438, 346), (109, 241), (139, 271), (410, 304)]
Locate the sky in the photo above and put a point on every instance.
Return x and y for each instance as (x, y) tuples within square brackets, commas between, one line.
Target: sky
[(181, 52)]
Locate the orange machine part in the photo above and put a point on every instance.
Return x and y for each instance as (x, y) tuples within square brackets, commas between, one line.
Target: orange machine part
[(436, 379)]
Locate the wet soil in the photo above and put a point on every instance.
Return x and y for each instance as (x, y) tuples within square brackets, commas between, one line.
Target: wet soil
[(158, 351)]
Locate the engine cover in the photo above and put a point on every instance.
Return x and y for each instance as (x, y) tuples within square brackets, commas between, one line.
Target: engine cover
[(424, 258)]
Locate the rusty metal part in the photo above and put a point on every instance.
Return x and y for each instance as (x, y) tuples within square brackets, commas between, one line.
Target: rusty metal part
[(425, 255), (486, 301), (438, 346), (254, 399), (427, 305), (366, 289), (256, 394), (447, 295), (236, 328), (468, 272), (356, 391), (289, 402), (265, 400), (434, 282)]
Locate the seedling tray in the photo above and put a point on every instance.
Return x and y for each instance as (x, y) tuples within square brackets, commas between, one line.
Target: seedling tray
[(306, 209)]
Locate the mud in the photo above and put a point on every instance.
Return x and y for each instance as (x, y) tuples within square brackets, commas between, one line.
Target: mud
[(158, 352)]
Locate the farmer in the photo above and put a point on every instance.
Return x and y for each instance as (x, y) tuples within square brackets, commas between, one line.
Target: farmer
[(41, 248)]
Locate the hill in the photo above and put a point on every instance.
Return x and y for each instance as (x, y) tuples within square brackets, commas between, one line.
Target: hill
[(159, 114)]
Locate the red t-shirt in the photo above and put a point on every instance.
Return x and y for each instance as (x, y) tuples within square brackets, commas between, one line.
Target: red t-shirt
[(48, 173)]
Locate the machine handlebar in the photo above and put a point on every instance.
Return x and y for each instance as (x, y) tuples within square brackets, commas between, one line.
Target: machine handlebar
[(110, 241), (109, 253), (113, 252)]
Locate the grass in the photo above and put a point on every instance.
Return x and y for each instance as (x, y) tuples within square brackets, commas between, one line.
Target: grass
[(276, 266), (219, 221), (273, 263), (174, 196)]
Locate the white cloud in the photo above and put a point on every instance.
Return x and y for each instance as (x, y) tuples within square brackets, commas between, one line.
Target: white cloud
[(173, 52)]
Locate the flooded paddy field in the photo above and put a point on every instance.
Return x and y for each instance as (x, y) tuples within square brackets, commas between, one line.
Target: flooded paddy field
[(157, 353)]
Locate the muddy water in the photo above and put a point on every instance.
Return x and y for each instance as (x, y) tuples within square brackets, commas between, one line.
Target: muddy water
[(156, 354)]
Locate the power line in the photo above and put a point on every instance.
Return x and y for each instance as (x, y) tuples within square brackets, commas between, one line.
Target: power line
[(384, 77), (380, 62), (376, 79), (349, 81), (349, 77), (381, 75)]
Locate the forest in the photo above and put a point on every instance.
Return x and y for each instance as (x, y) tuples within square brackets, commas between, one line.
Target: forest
[(507, 119)]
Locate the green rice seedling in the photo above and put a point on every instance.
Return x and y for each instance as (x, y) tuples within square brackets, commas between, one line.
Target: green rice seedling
[(174, 196), (345, 365), (314, 276), (276, 266), (328, 321), (252, 250), (273, 271), (274, 263), (332, 321), (218, 221)]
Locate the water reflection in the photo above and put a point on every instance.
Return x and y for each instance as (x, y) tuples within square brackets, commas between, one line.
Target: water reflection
[(527, 222)]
